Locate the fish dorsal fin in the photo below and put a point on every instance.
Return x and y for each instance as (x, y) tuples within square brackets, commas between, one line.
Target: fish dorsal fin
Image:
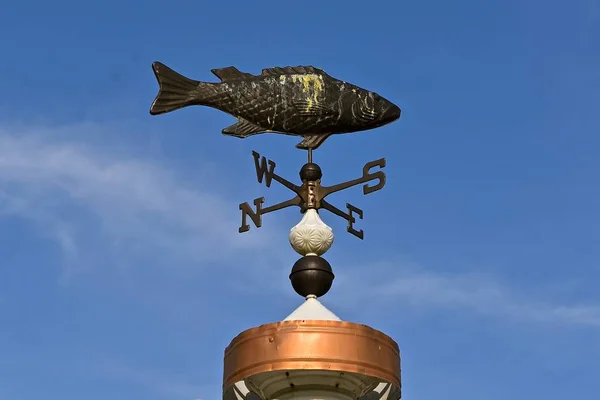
[(291, 70), (229, 73), (243, 129)]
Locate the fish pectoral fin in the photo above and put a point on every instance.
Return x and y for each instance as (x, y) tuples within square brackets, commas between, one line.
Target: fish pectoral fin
[(243, 129), (312, 141), (228, 73), (308, 108)]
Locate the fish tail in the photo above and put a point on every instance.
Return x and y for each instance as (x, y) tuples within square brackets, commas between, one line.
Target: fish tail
[(175, 90)]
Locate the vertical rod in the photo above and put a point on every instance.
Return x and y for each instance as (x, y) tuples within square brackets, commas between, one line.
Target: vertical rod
[(310, 155)]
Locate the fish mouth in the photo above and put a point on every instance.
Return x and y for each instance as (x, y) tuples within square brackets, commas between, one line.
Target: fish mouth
[(391, 114)]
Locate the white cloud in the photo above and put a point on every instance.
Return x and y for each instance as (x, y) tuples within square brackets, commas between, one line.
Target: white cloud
[(92, 202), (96, 205), (407, 286)]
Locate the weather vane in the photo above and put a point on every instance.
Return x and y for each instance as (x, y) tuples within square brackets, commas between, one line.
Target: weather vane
[(311, 354), (299, 101)]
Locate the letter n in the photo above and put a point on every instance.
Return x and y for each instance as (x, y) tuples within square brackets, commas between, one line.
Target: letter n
[(255, 216)]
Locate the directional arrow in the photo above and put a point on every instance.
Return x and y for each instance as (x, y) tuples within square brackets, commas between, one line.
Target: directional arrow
[(310, 194)]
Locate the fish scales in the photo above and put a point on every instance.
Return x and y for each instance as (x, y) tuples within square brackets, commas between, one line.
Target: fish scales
[(269, 102)]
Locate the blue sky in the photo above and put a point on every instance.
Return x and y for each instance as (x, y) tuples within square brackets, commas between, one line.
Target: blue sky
[(122, 274)]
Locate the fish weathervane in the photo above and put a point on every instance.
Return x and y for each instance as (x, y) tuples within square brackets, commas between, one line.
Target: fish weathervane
[(299, 101)]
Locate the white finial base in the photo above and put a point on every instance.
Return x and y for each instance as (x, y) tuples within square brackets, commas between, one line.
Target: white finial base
[(311, 236)]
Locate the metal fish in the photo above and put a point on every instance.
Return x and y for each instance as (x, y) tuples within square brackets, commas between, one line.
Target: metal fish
[(299, 101)]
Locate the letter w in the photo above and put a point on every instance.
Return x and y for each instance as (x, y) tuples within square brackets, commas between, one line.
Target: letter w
[(261, 169)]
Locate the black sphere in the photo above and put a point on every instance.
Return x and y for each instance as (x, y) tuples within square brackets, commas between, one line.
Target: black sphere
[(311, 275), (311, 172)]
